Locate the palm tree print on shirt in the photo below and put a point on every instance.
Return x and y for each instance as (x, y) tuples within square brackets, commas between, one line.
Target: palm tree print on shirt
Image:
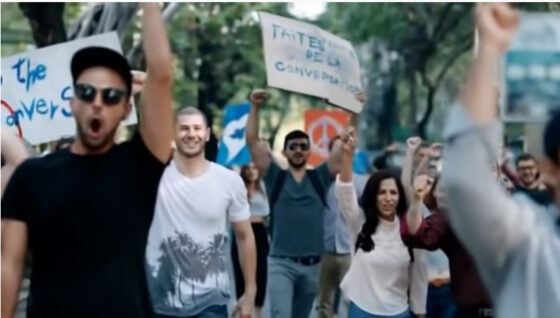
[(214, 256), (184, 262)]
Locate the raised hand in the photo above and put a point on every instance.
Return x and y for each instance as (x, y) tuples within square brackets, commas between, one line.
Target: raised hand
[(258, 97), (421, 187), (413, 143), (348, 138), (496, 24), (138, 81)]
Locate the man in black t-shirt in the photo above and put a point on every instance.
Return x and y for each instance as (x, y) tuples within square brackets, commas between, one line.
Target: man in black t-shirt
[(85, 212)]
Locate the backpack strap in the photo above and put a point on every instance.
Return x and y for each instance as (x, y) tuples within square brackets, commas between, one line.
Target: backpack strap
[(277, 187), (274, 194), (317, 185)]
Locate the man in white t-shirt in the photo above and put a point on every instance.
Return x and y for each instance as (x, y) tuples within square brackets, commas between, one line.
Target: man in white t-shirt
[(186, 253)]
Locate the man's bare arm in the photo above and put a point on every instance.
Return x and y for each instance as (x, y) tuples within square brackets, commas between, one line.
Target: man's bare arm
[(248, 259), (13, 149), (156, 125), (259, 151), (14, 250)]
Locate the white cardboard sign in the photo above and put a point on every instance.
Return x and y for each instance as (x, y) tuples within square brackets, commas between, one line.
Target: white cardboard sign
[(37, 87), (303, 58)]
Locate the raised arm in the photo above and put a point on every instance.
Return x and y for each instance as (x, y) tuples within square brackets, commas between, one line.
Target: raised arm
[(156, 125), (334, 161), (259, 151), (344, 187), (489, 223), (412, 145), (421, 187)]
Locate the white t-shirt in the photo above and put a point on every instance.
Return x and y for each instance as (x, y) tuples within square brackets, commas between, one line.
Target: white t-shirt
[(382, 281), (186, 251)]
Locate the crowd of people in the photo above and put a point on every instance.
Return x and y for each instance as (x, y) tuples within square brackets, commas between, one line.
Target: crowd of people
[(140, 228)]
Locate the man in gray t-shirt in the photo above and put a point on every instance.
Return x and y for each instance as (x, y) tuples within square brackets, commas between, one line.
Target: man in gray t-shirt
[(297, 199)]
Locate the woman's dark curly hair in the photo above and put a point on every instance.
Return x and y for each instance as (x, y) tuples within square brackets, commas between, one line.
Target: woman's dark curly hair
[(369, 206)]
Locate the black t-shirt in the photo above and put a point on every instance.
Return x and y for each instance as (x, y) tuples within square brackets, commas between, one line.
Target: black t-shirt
[(88, 219)]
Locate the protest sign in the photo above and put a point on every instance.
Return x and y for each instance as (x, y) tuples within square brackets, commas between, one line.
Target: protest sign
[(37, 88), (233, 150), (531, 69), (303, 58), (322, 126)]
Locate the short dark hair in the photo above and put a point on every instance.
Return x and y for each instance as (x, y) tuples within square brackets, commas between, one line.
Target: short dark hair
[(552, 139), (189, 111), (295, 134), (525, 157), (332, 141)]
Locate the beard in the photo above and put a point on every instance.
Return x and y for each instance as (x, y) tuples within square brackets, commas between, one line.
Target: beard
[(297, 165), (99, 144)]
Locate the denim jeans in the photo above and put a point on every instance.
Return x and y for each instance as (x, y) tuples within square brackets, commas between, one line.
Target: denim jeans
[(292, 288), (356, 312), (440, 302), (210, 312)]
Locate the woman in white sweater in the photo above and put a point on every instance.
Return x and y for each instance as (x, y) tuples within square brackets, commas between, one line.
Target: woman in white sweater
[(385, 279)]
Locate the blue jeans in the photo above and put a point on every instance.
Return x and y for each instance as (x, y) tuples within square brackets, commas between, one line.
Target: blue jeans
[(440, 302), (292, 288), (210, 312), (356, 312)]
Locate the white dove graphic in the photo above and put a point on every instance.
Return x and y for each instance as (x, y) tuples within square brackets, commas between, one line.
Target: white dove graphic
[(234, 145)]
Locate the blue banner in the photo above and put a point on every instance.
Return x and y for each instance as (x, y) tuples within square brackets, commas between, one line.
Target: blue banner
[(233, 150), (360, 165)]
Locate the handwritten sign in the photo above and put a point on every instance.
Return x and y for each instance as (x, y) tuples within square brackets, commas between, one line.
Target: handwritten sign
[(37, 88), (321, 126), (531, 70), (233, 149), (303, 58)]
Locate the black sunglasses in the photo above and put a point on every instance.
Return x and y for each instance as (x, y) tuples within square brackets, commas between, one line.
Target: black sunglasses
[(110, 96), (302, 145)]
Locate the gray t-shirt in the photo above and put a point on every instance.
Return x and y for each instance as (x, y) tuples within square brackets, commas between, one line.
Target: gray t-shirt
[(297, 215)]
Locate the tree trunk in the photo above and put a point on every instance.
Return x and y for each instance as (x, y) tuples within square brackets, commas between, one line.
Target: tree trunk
[(411, 79), (46, 21), (388, 116), (423, 124), (204, 102)]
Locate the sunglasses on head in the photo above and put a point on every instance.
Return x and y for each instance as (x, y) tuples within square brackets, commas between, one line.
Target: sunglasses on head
[(302, 145), (110, 96)]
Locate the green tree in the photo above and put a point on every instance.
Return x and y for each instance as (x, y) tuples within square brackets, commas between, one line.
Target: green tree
[(428, 38)]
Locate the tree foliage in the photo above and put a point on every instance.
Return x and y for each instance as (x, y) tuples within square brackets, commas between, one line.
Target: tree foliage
[(414, 55)]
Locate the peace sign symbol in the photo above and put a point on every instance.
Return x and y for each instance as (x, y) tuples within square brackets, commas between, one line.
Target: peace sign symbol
[(320, 132)]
